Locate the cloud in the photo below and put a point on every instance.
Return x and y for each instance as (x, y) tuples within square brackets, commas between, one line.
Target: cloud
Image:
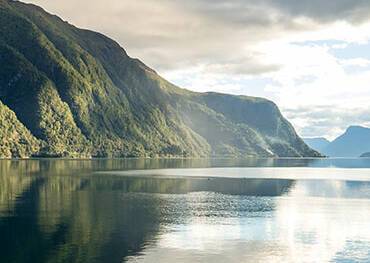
[(325, 11), (360, 62), (327, 120), (175, 34)]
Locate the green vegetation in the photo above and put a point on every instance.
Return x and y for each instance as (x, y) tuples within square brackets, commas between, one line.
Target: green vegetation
[(81, 95), (15, 139)]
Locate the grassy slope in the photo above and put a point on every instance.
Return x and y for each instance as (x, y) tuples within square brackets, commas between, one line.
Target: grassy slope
[(88, 97)]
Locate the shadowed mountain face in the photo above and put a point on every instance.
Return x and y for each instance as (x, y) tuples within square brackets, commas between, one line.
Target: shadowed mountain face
[(76, 93), (353, 143)]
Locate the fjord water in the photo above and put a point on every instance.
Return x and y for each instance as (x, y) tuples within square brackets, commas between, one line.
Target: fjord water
[(253, 210)]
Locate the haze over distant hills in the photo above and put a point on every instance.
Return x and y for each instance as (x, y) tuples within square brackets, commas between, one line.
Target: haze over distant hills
[(353, 143), (68, 92), (317, 144)]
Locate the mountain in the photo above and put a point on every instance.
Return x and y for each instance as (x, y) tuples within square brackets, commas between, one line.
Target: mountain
[(15, 139), (354, 142), (319, 143), (76, 93)]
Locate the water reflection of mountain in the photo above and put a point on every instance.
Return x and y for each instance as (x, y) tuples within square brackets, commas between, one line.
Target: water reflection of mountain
[(72, 219), (55, 211), (230, 186), (60, 167), (52, 221)]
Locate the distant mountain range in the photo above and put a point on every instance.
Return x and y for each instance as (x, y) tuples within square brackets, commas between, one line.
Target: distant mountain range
[(353, 143), (68, 92)]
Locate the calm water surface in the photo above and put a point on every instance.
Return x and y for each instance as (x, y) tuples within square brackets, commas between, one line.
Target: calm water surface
[(261, 210)]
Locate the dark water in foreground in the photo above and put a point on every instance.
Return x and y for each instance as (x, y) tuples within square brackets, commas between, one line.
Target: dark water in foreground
[(287, 210)]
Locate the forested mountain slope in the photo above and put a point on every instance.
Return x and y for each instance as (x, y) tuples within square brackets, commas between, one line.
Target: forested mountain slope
[(76, 93)]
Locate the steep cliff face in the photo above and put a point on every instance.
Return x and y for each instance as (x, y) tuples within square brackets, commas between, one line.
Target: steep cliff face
[(81, 95)]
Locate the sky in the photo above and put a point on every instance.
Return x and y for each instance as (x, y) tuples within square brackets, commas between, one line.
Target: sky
[(311, 57)]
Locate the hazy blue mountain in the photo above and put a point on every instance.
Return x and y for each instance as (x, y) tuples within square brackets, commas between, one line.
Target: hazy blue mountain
[(354, 142), (365, 155), (79, 94), (318, 144)]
